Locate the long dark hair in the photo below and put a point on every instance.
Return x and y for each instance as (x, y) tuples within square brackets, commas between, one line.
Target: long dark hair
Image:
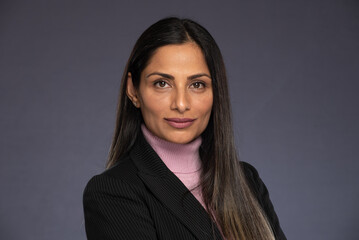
[(226, 194)]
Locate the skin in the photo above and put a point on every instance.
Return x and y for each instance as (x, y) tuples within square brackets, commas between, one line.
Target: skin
[(175, 84)]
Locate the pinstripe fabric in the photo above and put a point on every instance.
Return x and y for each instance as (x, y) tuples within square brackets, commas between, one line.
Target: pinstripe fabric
[(140, 198)]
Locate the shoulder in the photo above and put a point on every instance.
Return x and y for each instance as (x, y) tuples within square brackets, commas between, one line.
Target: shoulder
[(260, 191), (249, 169), (252, 176), (122, 175), (255, 183), (114, 205)]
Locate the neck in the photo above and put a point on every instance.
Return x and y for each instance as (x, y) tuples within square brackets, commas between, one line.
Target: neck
[(179, 158)]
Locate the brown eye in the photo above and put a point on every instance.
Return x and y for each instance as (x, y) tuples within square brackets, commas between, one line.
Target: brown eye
[(161, 84), (198, 85)]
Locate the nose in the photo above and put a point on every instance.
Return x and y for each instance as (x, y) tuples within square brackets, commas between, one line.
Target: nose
[(181, 101)]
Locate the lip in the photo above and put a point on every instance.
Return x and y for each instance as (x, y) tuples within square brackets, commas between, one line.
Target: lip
[(180, 122)]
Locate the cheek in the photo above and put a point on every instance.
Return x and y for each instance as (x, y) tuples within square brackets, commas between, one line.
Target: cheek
[(151, 110), (154, 105), (208, 112), (205, 106)]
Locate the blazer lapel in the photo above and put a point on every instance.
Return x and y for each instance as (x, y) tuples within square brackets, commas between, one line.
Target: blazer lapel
[(171, 191)]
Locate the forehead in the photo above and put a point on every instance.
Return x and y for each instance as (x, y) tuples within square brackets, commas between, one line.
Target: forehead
[(187, 56)]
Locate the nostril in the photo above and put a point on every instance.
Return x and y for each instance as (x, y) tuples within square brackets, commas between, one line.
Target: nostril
[(181, 102)]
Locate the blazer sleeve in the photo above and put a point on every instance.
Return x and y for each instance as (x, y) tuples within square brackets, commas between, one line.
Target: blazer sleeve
[(261, 192), (113, 210)]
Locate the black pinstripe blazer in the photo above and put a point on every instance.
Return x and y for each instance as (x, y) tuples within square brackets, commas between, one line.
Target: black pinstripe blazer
[(140, 198)]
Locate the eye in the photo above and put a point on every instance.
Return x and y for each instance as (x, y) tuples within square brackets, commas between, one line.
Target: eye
[(161, 84), (198, 85)]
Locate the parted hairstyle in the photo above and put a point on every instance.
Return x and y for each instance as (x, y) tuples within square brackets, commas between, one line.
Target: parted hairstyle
[(226, 194)]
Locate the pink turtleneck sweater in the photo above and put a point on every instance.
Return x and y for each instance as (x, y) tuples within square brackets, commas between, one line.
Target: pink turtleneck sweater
[(182, 159)]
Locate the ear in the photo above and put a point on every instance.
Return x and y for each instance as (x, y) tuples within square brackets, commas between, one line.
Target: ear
[(131, 91)]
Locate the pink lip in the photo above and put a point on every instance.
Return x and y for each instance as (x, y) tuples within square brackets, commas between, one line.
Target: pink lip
[(180, 122)]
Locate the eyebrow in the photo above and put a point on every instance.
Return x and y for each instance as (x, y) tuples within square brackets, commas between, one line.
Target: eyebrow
[(165, 75)]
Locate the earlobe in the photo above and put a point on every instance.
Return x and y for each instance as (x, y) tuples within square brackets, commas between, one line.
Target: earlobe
[(131, 91)]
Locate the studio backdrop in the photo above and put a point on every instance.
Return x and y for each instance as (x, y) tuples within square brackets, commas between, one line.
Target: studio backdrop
[(293, 70)]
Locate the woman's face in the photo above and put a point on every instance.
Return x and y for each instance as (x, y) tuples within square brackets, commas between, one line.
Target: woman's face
[(175, 93)]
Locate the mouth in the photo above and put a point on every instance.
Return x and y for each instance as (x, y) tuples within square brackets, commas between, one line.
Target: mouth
[(180, 123)]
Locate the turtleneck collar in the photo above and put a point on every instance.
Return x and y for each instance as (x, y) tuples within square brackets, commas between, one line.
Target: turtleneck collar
[(179, 158)]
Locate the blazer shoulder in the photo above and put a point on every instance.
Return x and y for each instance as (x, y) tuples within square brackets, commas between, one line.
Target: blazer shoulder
[(123, 169), (255, 183), (251, 175), (260, 191), (248, 168), (123, 172), (114, 205)]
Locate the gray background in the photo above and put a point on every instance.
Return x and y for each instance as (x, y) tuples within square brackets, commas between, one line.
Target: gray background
[(293, 73)]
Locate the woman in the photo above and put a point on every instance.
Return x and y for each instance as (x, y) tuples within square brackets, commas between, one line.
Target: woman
[(173, 172)]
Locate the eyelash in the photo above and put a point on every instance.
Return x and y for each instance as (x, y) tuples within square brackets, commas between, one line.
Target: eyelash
[(156, 84), (202, 84)]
